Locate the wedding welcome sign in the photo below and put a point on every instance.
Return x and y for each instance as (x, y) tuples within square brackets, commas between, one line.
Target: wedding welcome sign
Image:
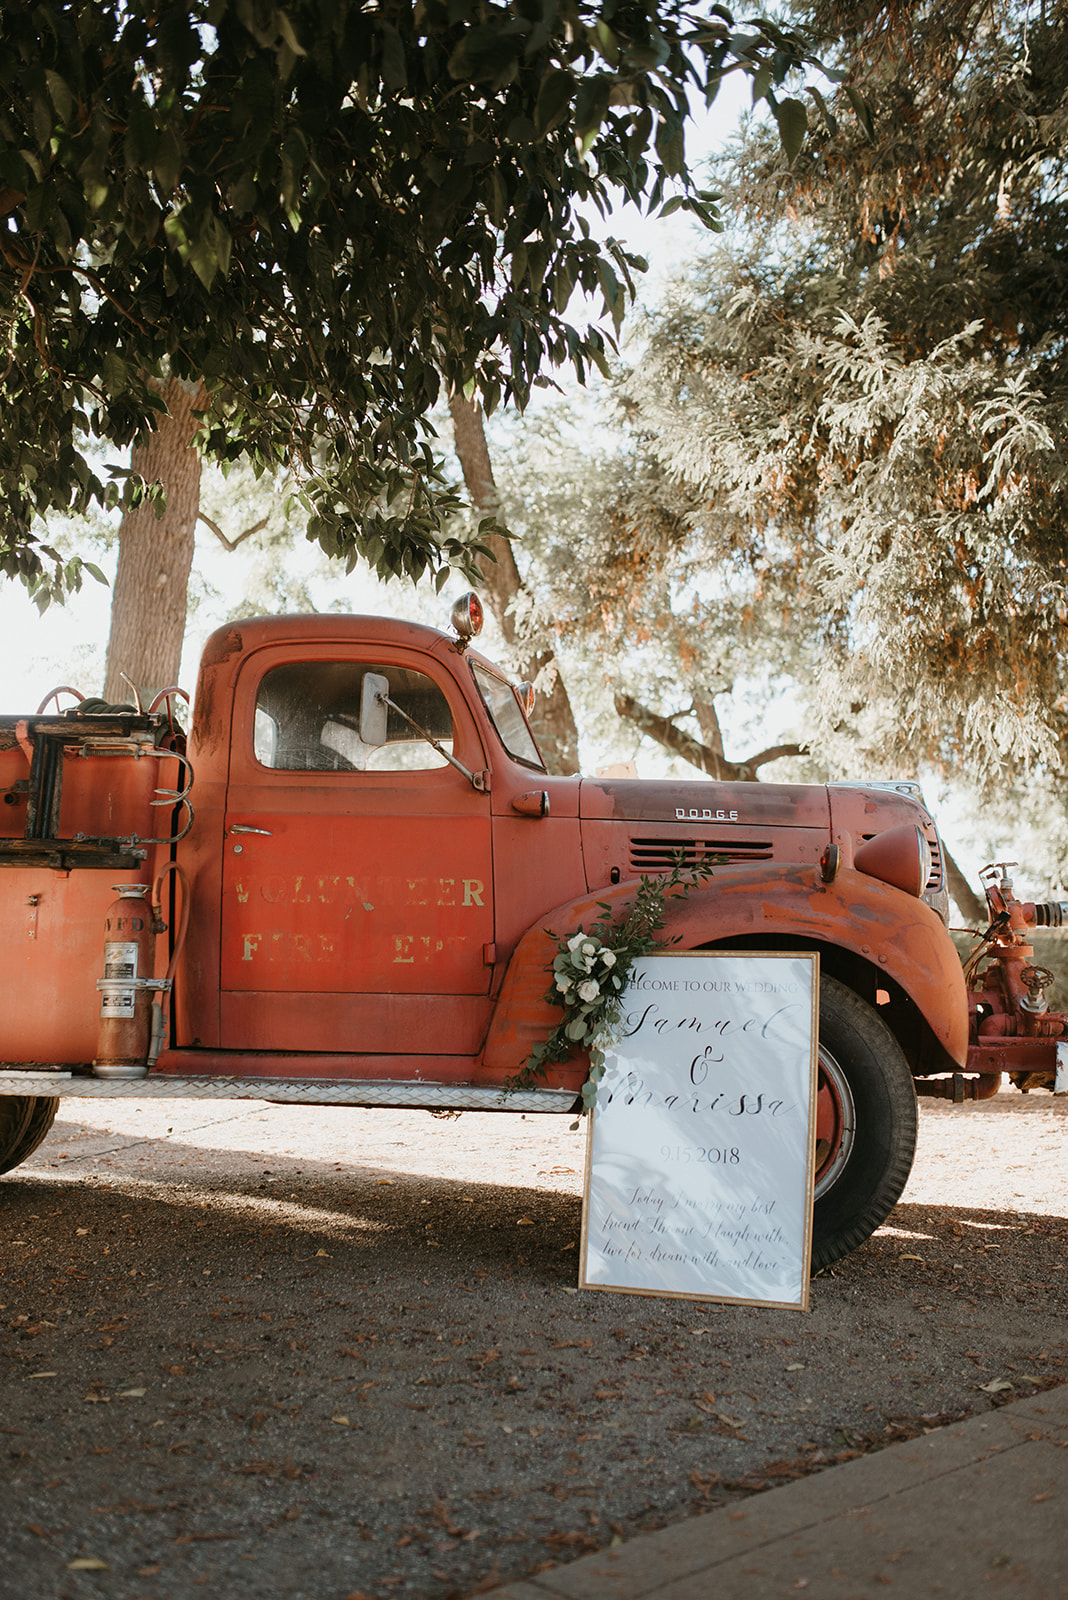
[(699, 1170)]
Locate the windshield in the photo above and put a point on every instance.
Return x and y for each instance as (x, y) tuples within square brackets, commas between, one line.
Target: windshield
[(506, 714)]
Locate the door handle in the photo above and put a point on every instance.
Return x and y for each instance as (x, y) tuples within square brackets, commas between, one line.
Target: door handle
[(243, 827)]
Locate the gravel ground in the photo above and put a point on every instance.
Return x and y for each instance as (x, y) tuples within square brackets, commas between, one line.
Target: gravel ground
[(297, 1354)]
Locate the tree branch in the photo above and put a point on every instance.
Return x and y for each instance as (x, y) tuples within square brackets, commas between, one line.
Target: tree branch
[(699, 755), (231, 544), (708, 722), (773, 754)]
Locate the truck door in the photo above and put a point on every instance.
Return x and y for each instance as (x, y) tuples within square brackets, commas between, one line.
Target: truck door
[(357, 905)]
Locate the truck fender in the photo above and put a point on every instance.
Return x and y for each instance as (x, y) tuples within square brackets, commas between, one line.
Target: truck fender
[(893, 931)]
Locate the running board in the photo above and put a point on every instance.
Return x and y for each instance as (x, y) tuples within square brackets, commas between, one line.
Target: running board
[(289, 1091)]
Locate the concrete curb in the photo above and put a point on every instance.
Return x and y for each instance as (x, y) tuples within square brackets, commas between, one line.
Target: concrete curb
[(973, 1508)]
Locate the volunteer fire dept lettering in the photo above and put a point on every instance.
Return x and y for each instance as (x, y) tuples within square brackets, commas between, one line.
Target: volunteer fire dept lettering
[(424, 922), (332, 891)]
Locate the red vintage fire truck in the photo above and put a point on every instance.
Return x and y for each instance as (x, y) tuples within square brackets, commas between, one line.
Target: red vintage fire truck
[(348, 885)]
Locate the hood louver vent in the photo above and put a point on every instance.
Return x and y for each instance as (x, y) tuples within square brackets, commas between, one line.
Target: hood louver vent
[(660, 855)]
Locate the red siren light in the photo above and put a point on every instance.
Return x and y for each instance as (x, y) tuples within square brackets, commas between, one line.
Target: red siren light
[(467, 616)]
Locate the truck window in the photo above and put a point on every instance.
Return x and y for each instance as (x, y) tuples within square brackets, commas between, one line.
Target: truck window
[(308, 719), (507, 717)]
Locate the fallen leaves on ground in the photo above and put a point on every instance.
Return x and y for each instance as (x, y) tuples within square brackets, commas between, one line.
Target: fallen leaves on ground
[(575, 1542)]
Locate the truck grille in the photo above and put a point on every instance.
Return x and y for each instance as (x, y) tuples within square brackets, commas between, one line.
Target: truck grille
[(660, 855)]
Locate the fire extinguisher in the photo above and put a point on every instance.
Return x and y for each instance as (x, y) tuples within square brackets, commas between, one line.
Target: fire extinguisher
[(127, 985), (132, 1024)]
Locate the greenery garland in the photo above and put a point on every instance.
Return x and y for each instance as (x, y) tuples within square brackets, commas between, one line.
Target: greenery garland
[(590, 972)]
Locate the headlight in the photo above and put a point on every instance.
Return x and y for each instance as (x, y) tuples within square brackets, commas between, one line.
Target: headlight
[(901, 857)]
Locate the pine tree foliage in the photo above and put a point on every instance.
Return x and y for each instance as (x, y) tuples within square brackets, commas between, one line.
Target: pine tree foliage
[(859, 408), (643, 603)]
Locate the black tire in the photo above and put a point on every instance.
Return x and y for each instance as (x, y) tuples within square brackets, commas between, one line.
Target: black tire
[(24, 1122), (860, 1173)]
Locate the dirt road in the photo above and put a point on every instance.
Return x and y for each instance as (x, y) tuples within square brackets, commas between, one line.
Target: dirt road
[(294, 1354)]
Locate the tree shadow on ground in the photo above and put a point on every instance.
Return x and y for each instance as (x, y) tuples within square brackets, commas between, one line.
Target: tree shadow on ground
[(384, 1378)]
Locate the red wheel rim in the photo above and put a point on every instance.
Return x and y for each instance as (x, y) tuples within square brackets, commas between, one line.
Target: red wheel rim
[(835, 1122)]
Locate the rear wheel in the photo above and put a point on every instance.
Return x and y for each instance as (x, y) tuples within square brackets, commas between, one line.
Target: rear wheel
[(24, 1122), (865, 1124)]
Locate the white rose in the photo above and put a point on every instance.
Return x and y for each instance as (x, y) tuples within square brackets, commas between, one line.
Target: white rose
[(574, 942), (589, 949), (608, 957), (589, 990), (562, 983)]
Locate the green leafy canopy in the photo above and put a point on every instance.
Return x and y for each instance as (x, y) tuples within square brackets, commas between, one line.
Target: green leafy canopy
[(329, 214)]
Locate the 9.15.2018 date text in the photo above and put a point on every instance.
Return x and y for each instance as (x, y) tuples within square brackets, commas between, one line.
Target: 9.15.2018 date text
[(726, 1156)]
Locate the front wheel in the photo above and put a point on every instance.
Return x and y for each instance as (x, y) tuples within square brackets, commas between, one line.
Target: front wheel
[(865, 1124), (24, 1121)]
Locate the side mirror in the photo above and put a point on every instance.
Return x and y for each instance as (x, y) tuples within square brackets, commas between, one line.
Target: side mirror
[(373, 708)]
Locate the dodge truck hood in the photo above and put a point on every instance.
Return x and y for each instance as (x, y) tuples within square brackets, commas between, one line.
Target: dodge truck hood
[(730, 805)]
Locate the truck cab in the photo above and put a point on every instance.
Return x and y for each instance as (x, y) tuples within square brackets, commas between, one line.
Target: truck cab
[(364, 909)]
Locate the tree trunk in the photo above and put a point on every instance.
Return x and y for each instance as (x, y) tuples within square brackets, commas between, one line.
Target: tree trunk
[(972, 909), (553, 720), (148, 604)]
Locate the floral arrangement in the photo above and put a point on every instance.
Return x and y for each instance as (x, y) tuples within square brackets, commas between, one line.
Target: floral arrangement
[(590, 972)]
